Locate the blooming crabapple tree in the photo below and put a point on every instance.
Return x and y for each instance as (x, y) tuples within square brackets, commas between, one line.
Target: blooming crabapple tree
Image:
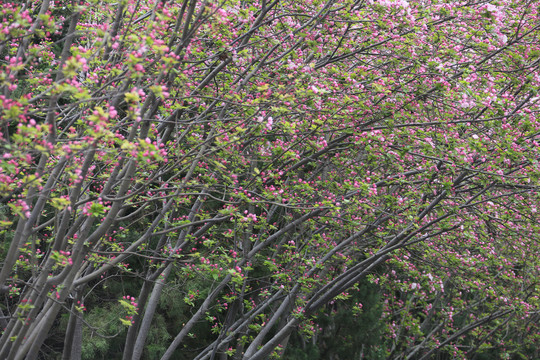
[(258, 160)]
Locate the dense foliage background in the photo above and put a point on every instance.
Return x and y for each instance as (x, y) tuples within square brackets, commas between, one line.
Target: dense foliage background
[(297, 179)]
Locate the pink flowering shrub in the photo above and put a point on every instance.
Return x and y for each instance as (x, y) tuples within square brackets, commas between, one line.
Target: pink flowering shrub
[(247, 164)]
